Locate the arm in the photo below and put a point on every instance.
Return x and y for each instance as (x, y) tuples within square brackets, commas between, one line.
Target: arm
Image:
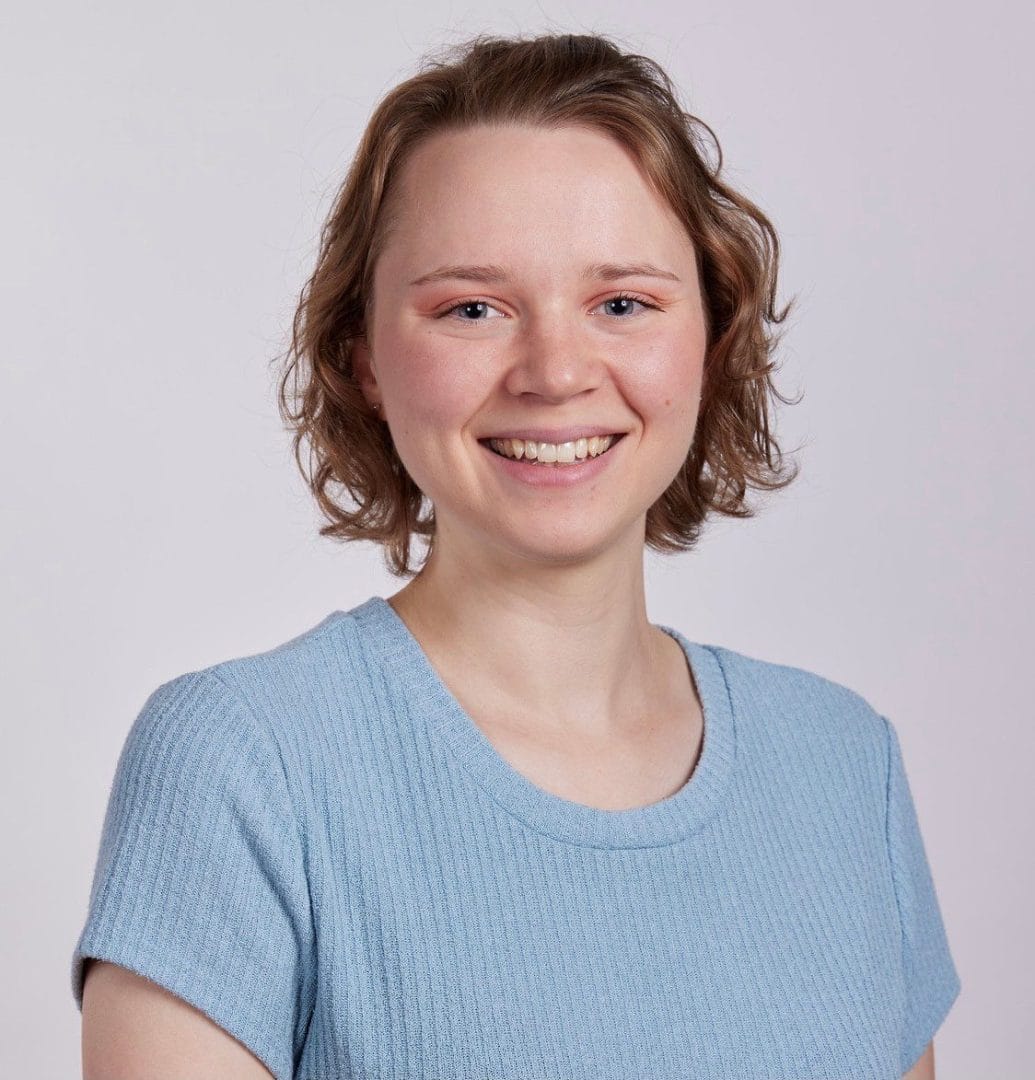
[(200, 890), (924, 1068), (133, 1027)]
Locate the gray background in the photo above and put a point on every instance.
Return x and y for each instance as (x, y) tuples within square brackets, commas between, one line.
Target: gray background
[(167, 169)]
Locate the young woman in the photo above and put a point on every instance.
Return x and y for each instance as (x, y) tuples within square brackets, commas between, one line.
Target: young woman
[(500, 825)]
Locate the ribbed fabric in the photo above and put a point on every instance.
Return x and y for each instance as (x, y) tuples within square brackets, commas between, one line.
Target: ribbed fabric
[(318, 848)]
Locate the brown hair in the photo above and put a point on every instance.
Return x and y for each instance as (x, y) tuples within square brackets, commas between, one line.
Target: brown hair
[(544, 81)]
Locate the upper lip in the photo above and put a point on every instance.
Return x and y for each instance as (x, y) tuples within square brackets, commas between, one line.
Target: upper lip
[(555, 434)]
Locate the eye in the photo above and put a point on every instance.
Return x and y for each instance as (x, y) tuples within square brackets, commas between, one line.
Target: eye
[(625, 302), (472, 310)]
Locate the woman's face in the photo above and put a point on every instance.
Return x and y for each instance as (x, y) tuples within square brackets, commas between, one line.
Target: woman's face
[(497, 311)]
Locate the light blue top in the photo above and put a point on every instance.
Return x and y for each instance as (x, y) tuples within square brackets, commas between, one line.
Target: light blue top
[(318, 847)]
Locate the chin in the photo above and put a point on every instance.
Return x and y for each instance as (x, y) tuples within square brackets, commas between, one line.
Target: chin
[(562, 547)]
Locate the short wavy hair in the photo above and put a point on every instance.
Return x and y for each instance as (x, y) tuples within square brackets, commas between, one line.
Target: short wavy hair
[(545, 81)]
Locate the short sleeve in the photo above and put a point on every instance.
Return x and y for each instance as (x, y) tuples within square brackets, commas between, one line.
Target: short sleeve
[(931, 981), (200, 882)]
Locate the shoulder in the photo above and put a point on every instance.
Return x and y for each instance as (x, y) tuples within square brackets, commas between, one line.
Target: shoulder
[(298, 658), (802, 709), (288, 681), (246, 707), (790, 685)]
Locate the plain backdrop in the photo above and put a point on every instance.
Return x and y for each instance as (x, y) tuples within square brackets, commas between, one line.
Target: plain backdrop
[(167, 168)]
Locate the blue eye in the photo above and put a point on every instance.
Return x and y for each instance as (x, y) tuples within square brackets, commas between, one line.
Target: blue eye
[(626, 300)]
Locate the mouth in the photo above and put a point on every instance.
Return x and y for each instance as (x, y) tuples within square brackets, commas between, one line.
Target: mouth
[(553, 455)]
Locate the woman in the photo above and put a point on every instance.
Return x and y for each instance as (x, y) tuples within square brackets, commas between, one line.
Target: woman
[(500, 825)]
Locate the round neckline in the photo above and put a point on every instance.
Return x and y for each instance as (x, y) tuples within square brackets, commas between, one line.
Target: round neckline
[(413, 678)]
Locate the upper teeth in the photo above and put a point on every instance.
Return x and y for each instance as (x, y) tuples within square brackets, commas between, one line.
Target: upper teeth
[(551, 452)]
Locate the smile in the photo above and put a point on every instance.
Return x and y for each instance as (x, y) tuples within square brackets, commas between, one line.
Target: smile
[(554, 467), (544, 453)]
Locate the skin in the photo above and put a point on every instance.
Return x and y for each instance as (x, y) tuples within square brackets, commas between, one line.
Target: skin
[(133, 1028), (539, 592), (924, 1068)]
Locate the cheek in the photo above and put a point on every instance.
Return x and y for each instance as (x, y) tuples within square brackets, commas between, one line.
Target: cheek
[(664, 385), (429, 383)]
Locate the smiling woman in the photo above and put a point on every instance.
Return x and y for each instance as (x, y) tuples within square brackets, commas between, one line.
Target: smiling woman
[(479, 154), (544, 346), (501, 824)]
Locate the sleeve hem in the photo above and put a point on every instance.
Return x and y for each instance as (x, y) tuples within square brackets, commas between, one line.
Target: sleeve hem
[(934, 1019)]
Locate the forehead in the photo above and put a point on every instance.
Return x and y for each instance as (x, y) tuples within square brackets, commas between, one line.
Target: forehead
[(502, 192)]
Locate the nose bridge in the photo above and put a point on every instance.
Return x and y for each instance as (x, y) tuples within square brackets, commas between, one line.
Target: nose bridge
[(554, 355)]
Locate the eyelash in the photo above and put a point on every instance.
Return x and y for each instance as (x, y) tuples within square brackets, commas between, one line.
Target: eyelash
[(610, 299)]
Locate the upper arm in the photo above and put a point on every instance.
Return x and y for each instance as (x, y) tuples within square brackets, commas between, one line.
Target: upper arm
[(133, 1027), (924, 1068), (200, 885)]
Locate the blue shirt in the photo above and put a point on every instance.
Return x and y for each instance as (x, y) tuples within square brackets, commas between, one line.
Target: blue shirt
[(318, 848)]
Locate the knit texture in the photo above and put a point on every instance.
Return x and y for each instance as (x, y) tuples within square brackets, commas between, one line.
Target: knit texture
[(318, 848)]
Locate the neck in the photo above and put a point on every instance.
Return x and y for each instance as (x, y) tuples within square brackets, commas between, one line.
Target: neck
[(566, 648)]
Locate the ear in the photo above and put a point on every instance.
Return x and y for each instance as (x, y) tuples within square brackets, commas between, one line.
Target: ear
[(363, 368)]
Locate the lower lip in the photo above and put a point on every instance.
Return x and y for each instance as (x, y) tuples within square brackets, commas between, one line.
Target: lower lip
[(554, 476)]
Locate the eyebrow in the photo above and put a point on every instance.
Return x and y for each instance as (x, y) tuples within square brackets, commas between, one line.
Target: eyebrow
[(497, 275)]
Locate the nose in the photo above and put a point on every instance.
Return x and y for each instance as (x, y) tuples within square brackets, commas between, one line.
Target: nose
[(554, 358)]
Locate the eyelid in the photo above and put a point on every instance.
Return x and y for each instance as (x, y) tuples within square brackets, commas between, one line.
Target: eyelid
[(622, 295)]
